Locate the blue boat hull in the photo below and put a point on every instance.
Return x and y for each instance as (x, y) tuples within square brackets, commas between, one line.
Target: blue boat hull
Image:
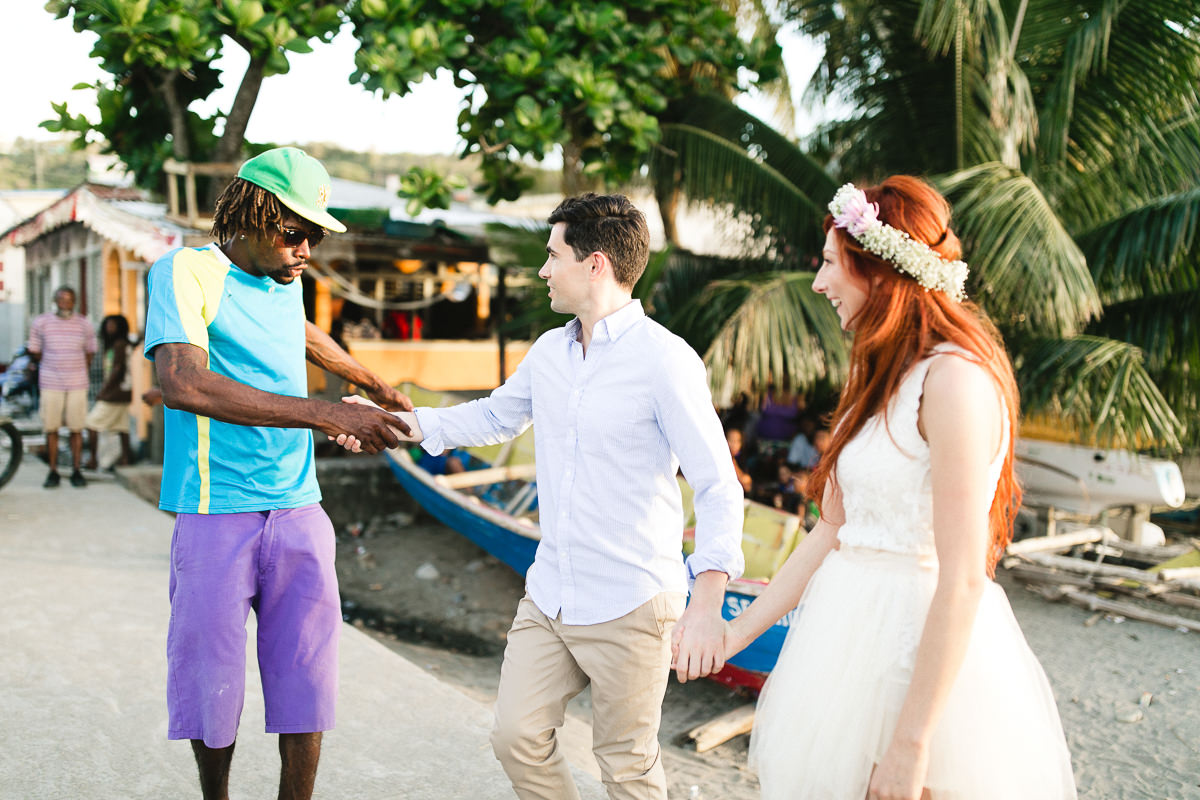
[(517, 551)]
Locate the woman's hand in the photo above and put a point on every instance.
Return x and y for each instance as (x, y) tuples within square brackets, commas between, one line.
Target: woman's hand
[(734, 642), (900, 775)]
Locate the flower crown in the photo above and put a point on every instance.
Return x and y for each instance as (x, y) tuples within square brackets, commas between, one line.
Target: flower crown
[(859, 218)]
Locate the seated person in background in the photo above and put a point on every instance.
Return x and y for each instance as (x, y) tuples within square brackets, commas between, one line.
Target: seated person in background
[(445, 464), (779, 415), (801, 452), (783, 491), (737, 415), (733, 436), (806, 504), (821, 441)]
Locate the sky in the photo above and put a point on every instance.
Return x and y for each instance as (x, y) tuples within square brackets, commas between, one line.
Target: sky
[(42, 58)]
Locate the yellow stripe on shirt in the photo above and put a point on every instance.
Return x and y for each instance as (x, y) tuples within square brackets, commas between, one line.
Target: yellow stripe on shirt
[(199, 289)]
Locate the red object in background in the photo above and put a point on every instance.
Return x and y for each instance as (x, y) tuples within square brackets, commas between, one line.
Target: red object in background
[(407, 325)]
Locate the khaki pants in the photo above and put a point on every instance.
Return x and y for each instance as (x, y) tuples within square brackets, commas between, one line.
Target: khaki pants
[(627, 662)]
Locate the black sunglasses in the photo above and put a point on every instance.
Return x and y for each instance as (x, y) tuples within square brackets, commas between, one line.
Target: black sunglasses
[(292, 237)]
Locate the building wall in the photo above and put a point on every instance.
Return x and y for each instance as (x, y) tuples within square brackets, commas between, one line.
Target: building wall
[(12, 300), (438, 363)]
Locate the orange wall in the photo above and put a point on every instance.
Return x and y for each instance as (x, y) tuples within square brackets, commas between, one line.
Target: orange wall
[(436, 364)]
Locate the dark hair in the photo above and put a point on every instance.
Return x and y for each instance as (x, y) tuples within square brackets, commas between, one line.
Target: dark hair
[(121, 334), (609, 224), (245, 207), (66, 288)]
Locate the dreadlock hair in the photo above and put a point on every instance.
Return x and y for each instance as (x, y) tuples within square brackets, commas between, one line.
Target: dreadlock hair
[(120, 334), (245, 207)]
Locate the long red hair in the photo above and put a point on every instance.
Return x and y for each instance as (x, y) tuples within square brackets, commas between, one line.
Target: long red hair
[(900, 323)]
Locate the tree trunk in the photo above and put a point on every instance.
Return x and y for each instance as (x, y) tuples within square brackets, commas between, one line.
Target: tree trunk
[(181, 147), (668, 209), (229, 149), (573, 180)]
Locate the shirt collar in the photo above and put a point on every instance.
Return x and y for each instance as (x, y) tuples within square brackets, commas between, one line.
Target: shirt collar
[(614, 326)]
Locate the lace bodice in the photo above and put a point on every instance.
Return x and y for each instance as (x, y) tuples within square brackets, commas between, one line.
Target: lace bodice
[(885, 479)]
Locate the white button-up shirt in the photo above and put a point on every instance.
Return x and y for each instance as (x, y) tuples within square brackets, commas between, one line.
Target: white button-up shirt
[(612, 430)]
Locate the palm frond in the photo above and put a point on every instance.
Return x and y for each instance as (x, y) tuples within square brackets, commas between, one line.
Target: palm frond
[(771, 328), (1152, 248), (1026, 268), (1119, 65), (940, 25), (645, 287), (684, 278), (712, 169), (1099, 387), (762, 142), (1165, 327), (1167, 330)]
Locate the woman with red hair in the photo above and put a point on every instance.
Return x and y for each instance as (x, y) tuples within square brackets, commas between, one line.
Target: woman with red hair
[(905, 674)]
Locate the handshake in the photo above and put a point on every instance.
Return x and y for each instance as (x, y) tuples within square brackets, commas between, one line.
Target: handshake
[(402, 426)]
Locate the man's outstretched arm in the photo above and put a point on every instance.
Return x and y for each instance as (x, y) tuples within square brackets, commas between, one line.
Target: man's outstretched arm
[(188, 384), (323, 351)]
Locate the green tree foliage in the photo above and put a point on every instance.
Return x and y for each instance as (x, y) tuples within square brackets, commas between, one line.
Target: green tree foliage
[(592, 78), (1067, 136), (160, 56)]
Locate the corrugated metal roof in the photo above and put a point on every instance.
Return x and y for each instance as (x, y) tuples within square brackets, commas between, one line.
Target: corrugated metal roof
[(117, 214)]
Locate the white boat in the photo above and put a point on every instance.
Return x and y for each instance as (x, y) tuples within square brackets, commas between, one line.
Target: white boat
[(1089, 480)]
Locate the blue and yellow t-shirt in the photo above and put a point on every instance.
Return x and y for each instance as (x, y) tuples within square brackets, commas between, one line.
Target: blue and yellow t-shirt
[(253, 331)]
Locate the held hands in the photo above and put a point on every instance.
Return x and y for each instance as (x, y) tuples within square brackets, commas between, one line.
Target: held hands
[(399, 429), (371, 428), (698, 645)]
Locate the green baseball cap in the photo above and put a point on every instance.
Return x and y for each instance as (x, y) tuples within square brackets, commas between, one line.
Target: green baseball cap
[(297, 179)]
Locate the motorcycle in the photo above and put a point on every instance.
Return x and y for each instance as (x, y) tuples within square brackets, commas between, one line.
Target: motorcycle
[(18, 385), (11, 449)]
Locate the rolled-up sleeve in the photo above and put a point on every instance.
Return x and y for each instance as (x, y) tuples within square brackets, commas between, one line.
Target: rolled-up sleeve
[(693, 430)]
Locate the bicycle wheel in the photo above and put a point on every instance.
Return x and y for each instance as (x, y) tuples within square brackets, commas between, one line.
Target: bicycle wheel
[(10, 451)]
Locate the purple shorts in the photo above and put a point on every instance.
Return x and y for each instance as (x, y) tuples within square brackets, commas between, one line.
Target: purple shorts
[(280, 563)]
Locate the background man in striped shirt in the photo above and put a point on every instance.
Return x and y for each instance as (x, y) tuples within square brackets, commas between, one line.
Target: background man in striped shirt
[(63, 343)]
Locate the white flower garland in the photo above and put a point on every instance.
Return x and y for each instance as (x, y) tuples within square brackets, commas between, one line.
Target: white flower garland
[(860, 219)]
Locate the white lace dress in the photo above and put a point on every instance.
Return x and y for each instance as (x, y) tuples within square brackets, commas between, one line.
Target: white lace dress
[(827, 713)]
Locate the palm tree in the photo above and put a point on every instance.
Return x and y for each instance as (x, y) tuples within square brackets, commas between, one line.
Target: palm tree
[(1067, 135)]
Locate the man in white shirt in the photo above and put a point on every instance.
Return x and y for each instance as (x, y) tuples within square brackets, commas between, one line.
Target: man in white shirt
[(619, 405)]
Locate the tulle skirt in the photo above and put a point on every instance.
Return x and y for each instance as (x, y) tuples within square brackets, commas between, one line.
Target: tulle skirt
[(827, 712)]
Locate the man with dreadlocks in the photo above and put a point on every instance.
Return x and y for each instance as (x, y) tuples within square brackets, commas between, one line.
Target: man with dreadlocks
[(227, 332)]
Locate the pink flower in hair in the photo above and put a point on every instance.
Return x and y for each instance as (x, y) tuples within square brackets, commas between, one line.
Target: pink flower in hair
[(857, 216)]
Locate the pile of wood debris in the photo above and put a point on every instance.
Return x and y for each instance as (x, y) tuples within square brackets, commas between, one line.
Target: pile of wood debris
[(1094, 568)]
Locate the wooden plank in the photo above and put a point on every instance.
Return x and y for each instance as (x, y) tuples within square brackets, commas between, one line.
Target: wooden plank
[(1081, 566), (1035, 574), (1153, 554), (1129, 610), (1179, 599), (1180, 574), (479, 477), (723, 728), (1061, 541)]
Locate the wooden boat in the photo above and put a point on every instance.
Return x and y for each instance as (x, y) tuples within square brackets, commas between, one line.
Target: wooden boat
[(493, 503)]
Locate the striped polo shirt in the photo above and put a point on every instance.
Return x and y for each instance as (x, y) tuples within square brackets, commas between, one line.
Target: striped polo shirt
[(252, 330), (64, 344)]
